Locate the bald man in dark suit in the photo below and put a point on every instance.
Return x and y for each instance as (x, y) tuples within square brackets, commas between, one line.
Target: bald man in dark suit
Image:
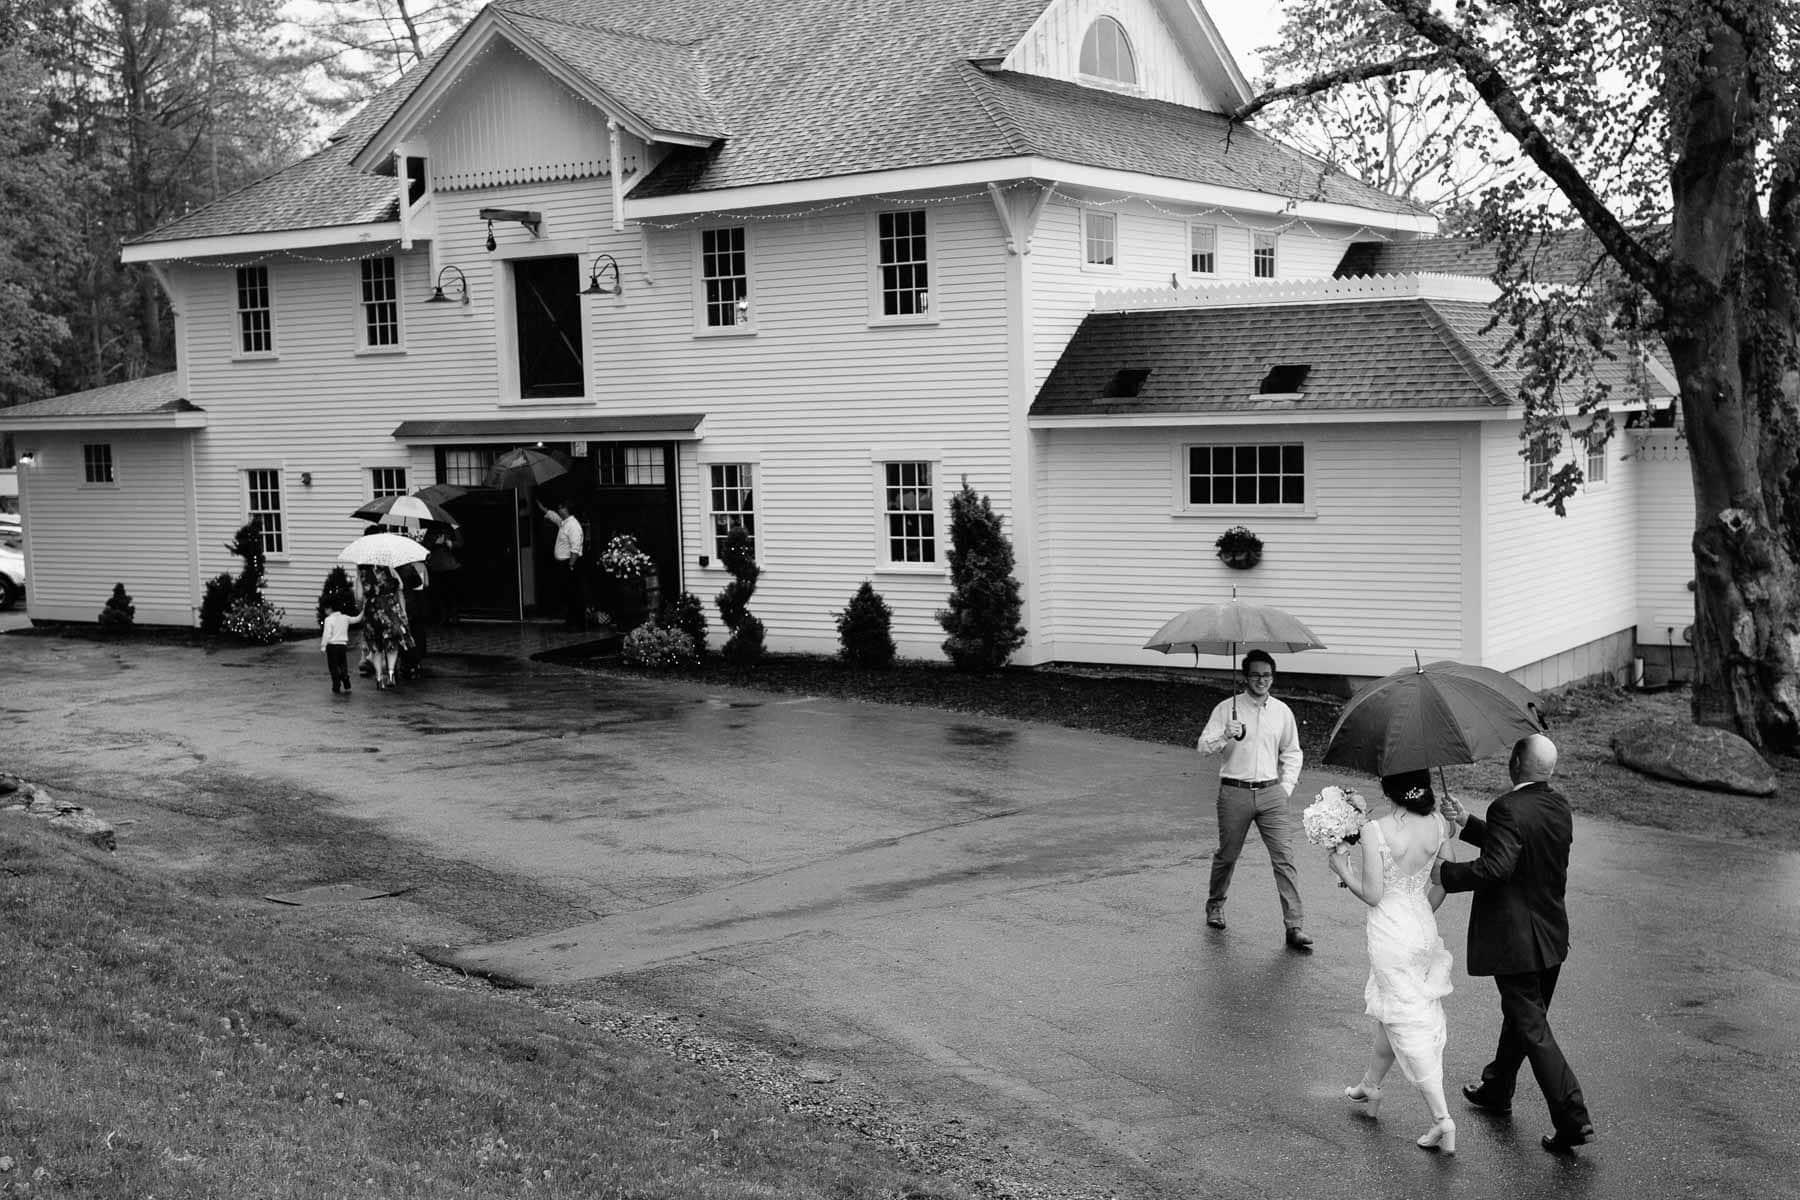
[(1519, 934)]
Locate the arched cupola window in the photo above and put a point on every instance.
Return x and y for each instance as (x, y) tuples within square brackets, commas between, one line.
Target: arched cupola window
[(1106, 52)]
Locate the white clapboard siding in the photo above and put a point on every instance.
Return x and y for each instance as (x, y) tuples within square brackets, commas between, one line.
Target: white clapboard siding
[(83, 538), (814, 394), (1552, 582), (1154, 251), (1664, 504), (1377, 570), (1053, 48)]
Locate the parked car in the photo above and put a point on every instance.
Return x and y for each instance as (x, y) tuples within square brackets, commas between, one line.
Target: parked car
[(12, 571)]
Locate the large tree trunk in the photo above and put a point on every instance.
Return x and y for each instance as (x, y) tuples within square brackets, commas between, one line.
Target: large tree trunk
[(1730, 322)]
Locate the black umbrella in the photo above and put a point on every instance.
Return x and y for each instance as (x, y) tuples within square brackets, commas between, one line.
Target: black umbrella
[(1430, 716), (522, 467)]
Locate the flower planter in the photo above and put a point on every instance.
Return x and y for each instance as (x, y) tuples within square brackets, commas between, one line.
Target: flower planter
[(1240, 560)]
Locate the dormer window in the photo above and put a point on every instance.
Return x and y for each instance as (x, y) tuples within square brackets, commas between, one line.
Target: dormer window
[(1106, 53)]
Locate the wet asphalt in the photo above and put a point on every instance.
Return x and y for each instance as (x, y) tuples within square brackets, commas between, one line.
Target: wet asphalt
[(999, 919)]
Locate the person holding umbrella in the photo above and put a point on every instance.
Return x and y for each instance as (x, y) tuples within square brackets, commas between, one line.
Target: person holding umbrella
[(1258, 742)]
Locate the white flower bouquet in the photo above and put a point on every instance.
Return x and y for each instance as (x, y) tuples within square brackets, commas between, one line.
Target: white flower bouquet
[(1335, 817)]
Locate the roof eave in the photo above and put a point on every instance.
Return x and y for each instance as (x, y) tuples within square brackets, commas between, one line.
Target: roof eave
[(1002, 170), (272, 241), (192, 418), (1318, 415)]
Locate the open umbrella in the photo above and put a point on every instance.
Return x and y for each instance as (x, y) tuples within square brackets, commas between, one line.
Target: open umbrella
[(404, 508), (522, 467), (382, 550), (1230, 627), (1430, 716), (440, 493)]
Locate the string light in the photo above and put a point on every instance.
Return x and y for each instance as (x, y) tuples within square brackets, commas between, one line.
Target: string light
[(384, 250)]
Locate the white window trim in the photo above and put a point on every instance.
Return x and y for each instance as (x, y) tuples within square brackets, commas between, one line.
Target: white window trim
[(1179, 506), (112, 457), (748, 326), (506, 328), (1087, 212), (364, 349), (1274, 251), (1133, 88), (940, 506), (238, 353), (368, 476), (287, 509), (1188, 263), (720, 458), (933, 290)]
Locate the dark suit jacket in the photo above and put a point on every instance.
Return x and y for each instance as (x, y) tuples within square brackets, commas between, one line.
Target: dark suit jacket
[(1517, 920)]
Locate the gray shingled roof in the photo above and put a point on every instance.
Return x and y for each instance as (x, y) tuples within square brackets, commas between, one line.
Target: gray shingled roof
[(134, 397), (1566, 258), (807, 89), (1402, 354)]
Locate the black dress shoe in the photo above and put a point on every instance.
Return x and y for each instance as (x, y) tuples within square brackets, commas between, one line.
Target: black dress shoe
[(1297, 940), (1215, 918), (1474, 1095), (1563, 1141)]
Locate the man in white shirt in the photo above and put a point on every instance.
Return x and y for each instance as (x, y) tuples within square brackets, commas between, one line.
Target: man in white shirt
[(1260, 744), (567, 553)]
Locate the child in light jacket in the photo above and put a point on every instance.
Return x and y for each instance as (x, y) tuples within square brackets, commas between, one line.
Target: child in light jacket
[(334, 640)]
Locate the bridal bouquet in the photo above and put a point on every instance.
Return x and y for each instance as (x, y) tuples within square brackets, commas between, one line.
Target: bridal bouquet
[(1335, 817)]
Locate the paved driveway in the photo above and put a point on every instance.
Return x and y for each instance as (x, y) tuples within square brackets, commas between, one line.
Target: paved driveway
[(999, 918)]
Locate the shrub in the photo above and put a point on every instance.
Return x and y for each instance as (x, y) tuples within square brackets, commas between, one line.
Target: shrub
[(338, 592), (687, 614), (119, 612), (247, 545), (215, 603), (983, 617), (865, 629), (745, 645), (652, 645), (255, 621)]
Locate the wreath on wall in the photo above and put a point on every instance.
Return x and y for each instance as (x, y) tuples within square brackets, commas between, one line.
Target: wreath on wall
[(1239, 548)]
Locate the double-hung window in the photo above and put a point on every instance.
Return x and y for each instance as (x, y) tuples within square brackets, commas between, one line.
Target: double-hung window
[(255, 311), (909, 513), (97, 462), (263, 504), (903, 264), (1537, 466), (1262, 255), (1203, 249), (1100, 238), (1241, 473), (380, 304), (731, 502), (725, 277), (1595, 470)]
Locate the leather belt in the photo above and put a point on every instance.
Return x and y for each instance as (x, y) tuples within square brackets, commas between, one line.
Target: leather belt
[(1255, 785)]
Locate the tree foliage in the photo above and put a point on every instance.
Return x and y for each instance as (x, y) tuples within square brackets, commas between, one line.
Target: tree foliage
[(1666, 131), (982, 618), (128, 113), (358, 47), (1420, 135)]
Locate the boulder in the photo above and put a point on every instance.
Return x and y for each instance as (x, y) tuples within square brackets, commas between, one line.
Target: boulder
[(1694, 755), (67, 818)]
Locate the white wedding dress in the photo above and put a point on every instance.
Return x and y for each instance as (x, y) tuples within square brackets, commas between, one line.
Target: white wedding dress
[(1409, 968)]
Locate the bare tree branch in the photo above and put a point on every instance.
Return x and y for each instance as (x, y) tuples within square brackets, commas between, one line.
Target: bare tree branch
[(1332, 80)]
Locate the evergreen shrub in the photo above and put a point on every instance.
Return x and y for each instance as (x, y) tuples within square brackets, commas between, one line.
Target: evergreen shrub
[(983, 615), (745, 645), (119, 613), (865, 629)]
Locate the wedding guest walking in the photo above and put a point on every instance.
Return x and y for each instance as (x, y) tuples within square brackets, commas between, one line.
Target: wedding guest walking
[(567, 553), (1519, 934), (1409, 969), (334, 640), (385, 632), (1259, 742)]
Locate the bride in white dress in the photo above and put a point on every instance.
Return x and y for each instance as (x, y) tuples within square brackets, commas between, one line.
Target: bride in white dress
[(1409, 968)]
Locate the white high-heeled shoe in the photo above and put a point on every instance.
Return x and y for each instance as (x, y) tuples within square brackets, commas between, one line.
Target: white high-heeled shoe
[(1365, 1094), (1441, 1136)]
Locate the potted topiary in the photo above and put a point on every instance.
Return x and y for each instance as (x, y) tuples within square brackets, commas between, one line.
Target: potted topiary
[(1239, 548)]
